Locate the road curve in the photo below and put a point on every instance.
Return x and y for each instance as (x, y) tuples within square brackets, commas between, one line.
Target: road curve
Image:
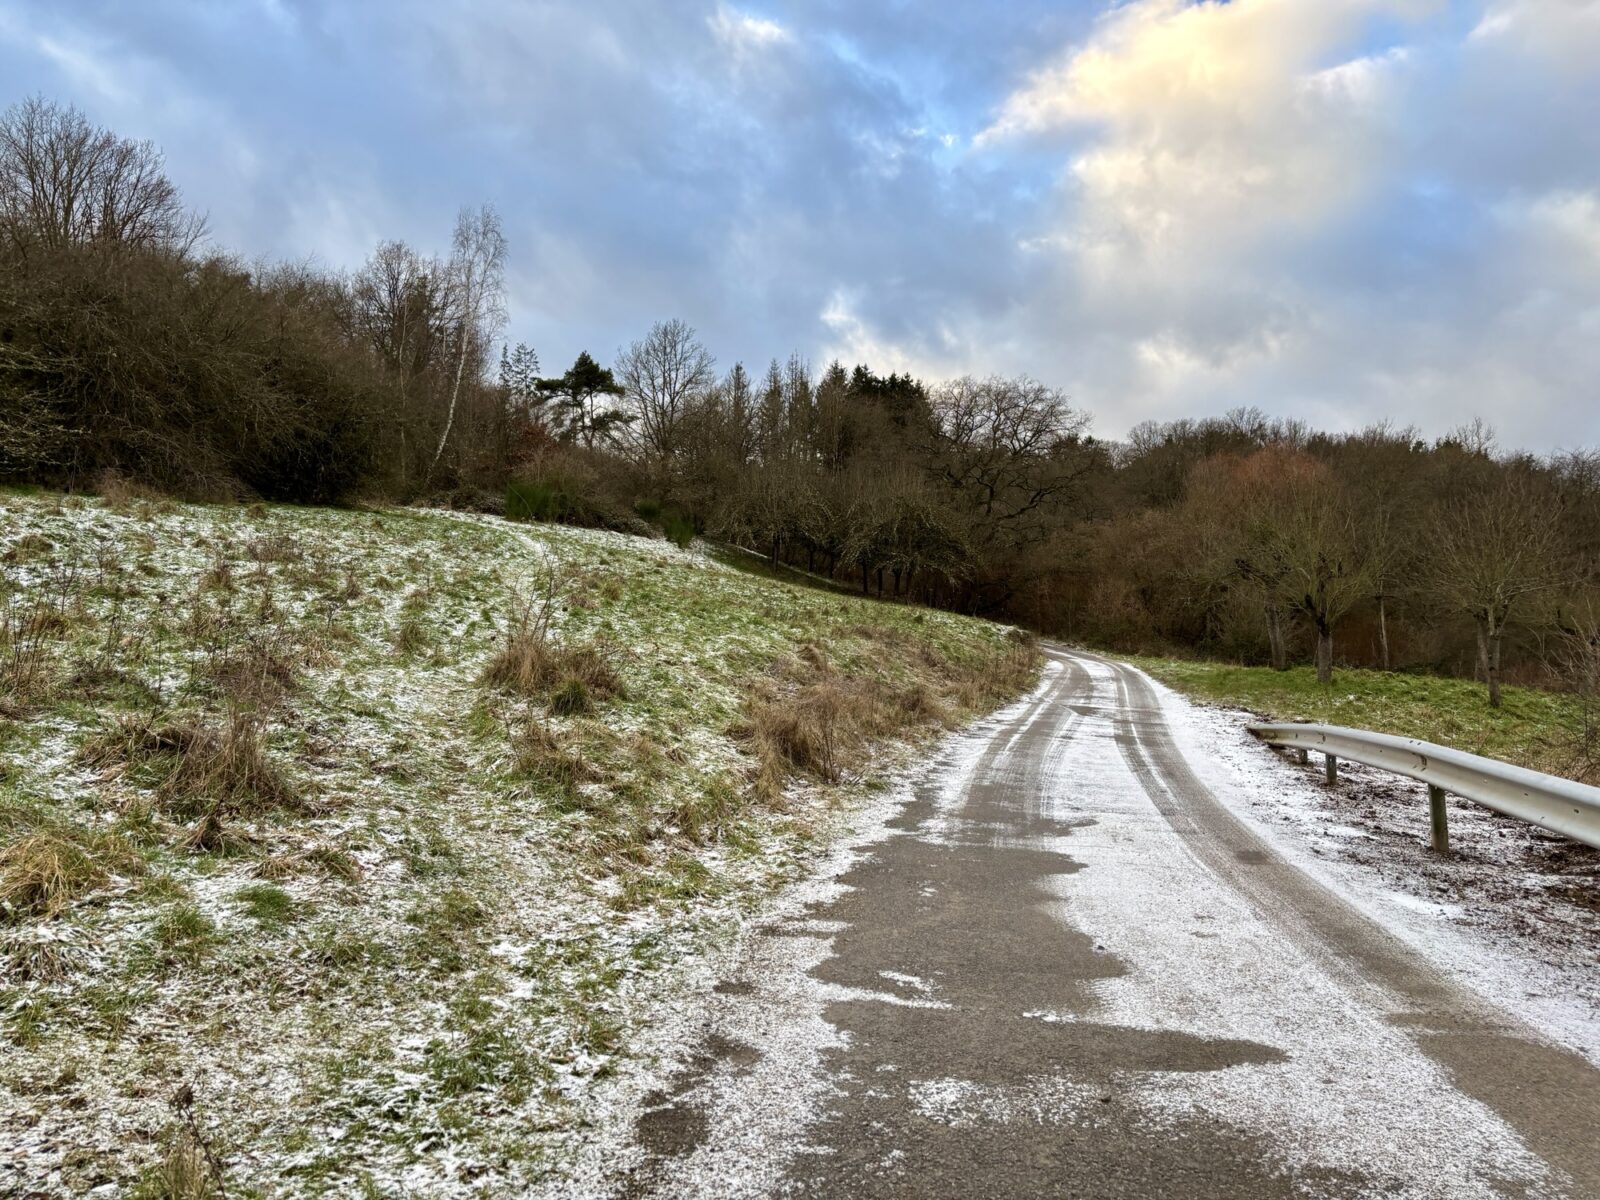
[(1070, 970)]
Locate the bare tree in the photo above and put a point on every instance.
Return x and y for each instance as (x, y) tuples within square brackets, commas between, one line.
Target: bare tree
[(65, 182), (1490, 553), (1009, 445), (1575, 661), (1301, 544), (477, 273), (664, 373), (401, 308)]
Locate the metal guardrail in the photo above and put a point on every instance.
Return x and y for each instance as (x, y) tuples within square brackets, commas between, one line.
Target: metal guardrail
[(1559, 805)]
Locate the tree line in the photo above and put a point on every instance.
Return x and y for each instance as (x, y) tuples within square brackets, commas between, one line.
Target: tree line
[(128, 344)]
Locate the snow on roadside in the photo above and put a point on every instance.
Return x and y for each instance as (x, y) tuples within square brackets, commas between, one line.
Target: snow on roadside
[(757, 1112), (1486, 916)]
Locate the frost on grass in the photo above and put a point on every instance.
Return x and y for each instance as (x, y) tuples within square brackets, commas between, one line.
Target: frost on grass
[(348, 851)]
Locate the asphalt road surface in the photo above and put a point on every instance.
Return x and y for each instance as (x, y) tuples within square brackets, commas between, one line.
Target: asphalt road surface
[(1070, 970)]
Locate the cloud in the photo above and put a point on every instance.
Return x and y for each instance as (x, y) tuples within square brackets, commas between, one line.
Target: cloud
[(1565, 33), (1287, 204), (1341, 210), (1207, 127), (743, 33)]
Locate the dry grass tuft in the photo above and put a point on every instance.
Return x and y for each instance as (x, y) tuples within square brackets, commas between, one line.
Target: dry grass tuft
[(411, 637), (258, 673), (707, 815), (571, 679), (184, 1174), (213, 835), (38, 954), (324, 860), (28, 546), (274, 548), (810, 718), (205, 769), (32, 623), (122, 492), (42, 872), (539, 754)]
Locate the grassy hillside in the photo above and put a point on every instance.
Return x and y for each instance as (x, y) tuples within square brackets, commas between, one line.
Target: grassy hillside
[(1534, 728), (339, 850)]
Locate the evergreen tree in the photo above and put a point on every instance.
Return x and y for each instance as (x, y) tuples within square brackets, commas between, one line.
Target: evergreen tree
[(580, 397)]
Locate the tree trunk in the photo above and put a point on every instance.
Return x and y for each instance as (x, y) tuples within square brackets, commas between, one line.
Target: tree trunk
[(1482, 622), (450, 414), (1383, 634), (1491, 664), (1324, 654), (866, 576), (1277, 647)]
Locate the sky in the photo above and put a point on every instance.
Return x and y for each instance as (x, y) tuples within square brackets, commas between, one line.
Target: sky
[(1343, 211)]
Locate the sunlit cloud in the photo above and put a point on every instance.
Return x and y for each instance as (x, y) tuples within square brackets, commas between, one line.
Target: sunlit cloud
[(1341, 210)]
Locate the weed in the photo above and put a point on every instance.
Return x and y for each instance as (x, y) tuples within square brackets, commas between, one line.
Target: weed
[(38, 954), (412, 638), (532, 663), (705, 814), (182, 1174), (539, 754), (122, 492), (451, 911), (571, 698), (257, 673), (344, 950), (212, 835), (190, 1169), (32, 621), (325, 860), (218, 576)]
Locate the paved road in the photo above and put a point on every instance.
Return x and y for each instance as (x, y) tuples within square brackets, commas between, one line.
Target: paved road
[(1072, 971)]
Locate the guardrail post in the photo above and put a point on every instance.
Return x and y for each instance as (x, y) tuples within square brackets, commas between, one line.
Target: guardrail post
[(1331, 765), (1303, 754), (1438, 820)]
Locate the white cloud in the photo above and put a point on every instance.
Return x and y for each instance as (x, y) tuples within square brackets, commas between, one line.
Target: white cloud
[(1569, 220), (1562, 32), (1209, 126), (743, 33), (1260, 202)]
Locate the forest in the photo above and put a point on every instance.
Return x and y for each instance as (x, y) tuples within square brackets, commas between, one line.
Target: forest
[(136, 354)]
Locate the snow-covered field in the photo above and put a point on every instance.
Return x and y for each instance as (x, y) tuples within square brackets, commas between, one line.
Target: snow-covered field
[(424, 968)]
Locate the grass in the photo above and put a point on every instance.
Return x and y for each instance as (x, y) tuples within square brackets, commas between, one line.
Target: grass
[(267, 904), (380, 821), (1533, 728)]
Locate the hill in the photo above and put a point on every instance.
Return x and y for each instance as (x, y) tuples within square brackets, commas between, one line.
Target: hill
[(343, 848)]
